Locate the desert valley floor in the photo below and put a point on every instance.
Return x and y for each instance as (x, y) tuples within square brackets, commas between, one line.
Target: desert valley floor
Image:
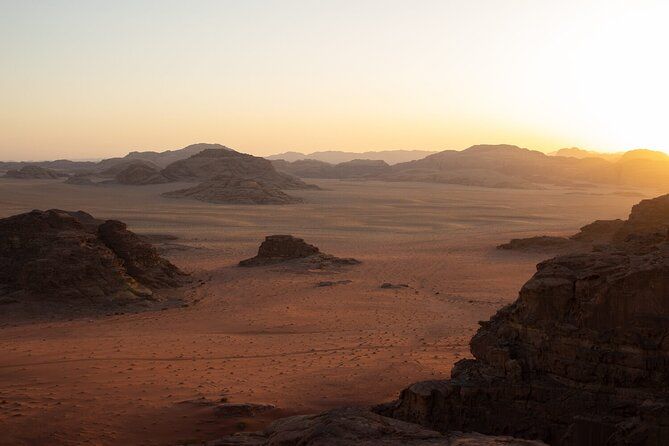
[(270, 335)]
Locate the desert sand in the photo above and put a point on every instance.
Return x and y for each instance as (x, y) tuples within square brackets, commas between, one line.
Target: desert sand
[(270, 334)]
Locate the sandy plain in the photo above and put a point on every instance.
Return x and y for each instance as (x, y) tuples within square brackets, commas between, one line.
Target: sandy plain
[(270, 335)]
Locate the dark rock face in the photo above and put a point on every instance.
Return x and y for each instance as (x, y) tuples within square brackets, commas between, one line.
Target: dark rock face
[(350, 426), (211, 163), (57, 255), (235, 191), (283, 248), (581, 358), (139, 174), (33, 172)]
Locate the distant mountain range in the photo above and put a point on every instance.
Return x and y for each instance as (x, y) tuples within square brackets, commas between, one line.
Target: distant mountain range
[(336, 157), (575, 152), (496, 166)]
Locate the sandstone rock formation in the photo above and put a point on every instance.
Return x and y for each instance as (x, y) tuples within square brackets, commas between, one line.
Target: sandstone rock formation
[(33, 172), (581, 358), (351, 426), (139, 174), (235, 191), (286, 248), (113, 169), (59, 256), (647, 224), (216, 163)]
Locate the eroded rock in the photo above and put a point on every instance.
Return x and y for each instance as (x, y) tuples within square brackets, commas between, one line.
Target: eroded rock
[(581, 358), (70, 256), (285, 248)]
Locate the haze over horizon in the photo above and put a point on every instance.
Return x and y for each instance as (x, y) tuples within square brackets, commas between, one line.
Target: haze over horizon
[(96, 79)]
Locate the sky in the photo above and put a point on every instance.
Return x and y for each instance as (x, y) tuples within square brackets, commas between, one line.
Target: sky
[(86, 79)]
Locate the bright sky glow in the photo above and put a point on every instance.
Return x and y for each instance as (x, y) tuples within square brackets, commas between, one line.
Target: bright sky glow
[(90, 78)]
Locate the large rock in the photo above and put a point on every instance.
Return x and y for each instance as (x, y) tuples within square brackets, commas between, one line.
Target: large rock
[(217, 163), (285, 248), (64, 256), (235, 191), (581, 358), (351, 426), (33, 172)]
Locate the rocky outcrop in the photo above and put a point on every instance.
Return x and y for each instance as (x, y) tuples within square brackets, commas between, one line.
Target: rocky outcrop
[(286, 248), (647, 225), (581, 358), (235, 191), (539, 243), (33, 172), (139, 174), (216, 163), (351, 426), (63, 256)]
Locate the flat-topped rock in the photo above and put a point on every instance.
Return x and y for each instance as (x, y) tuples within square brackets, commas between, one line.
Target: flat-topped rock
[(284, 248)]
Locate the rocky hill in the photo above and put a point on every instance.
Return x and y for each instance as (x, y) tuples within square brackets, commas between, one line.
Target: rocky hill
[(227, 190), (212, 163), (71, 258), (34, 173), (294, 251)]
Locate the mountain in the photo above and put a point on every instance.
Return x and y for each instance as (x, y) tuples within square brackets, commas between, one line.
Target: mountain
[(217, 163), (575, 152), (160, 159), (501, 165), (319, 169), (336, 157)]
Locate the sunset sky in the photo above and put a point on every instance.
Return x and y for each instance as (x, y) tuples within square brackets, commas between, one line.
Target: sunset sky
[(89, 79)]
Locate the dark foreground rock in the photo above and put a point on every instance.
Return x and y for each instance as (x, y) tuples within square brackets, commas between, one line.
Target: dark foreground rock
[(580, 359), (350, 426), (59, 256), (286, 248), (235, 191)]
